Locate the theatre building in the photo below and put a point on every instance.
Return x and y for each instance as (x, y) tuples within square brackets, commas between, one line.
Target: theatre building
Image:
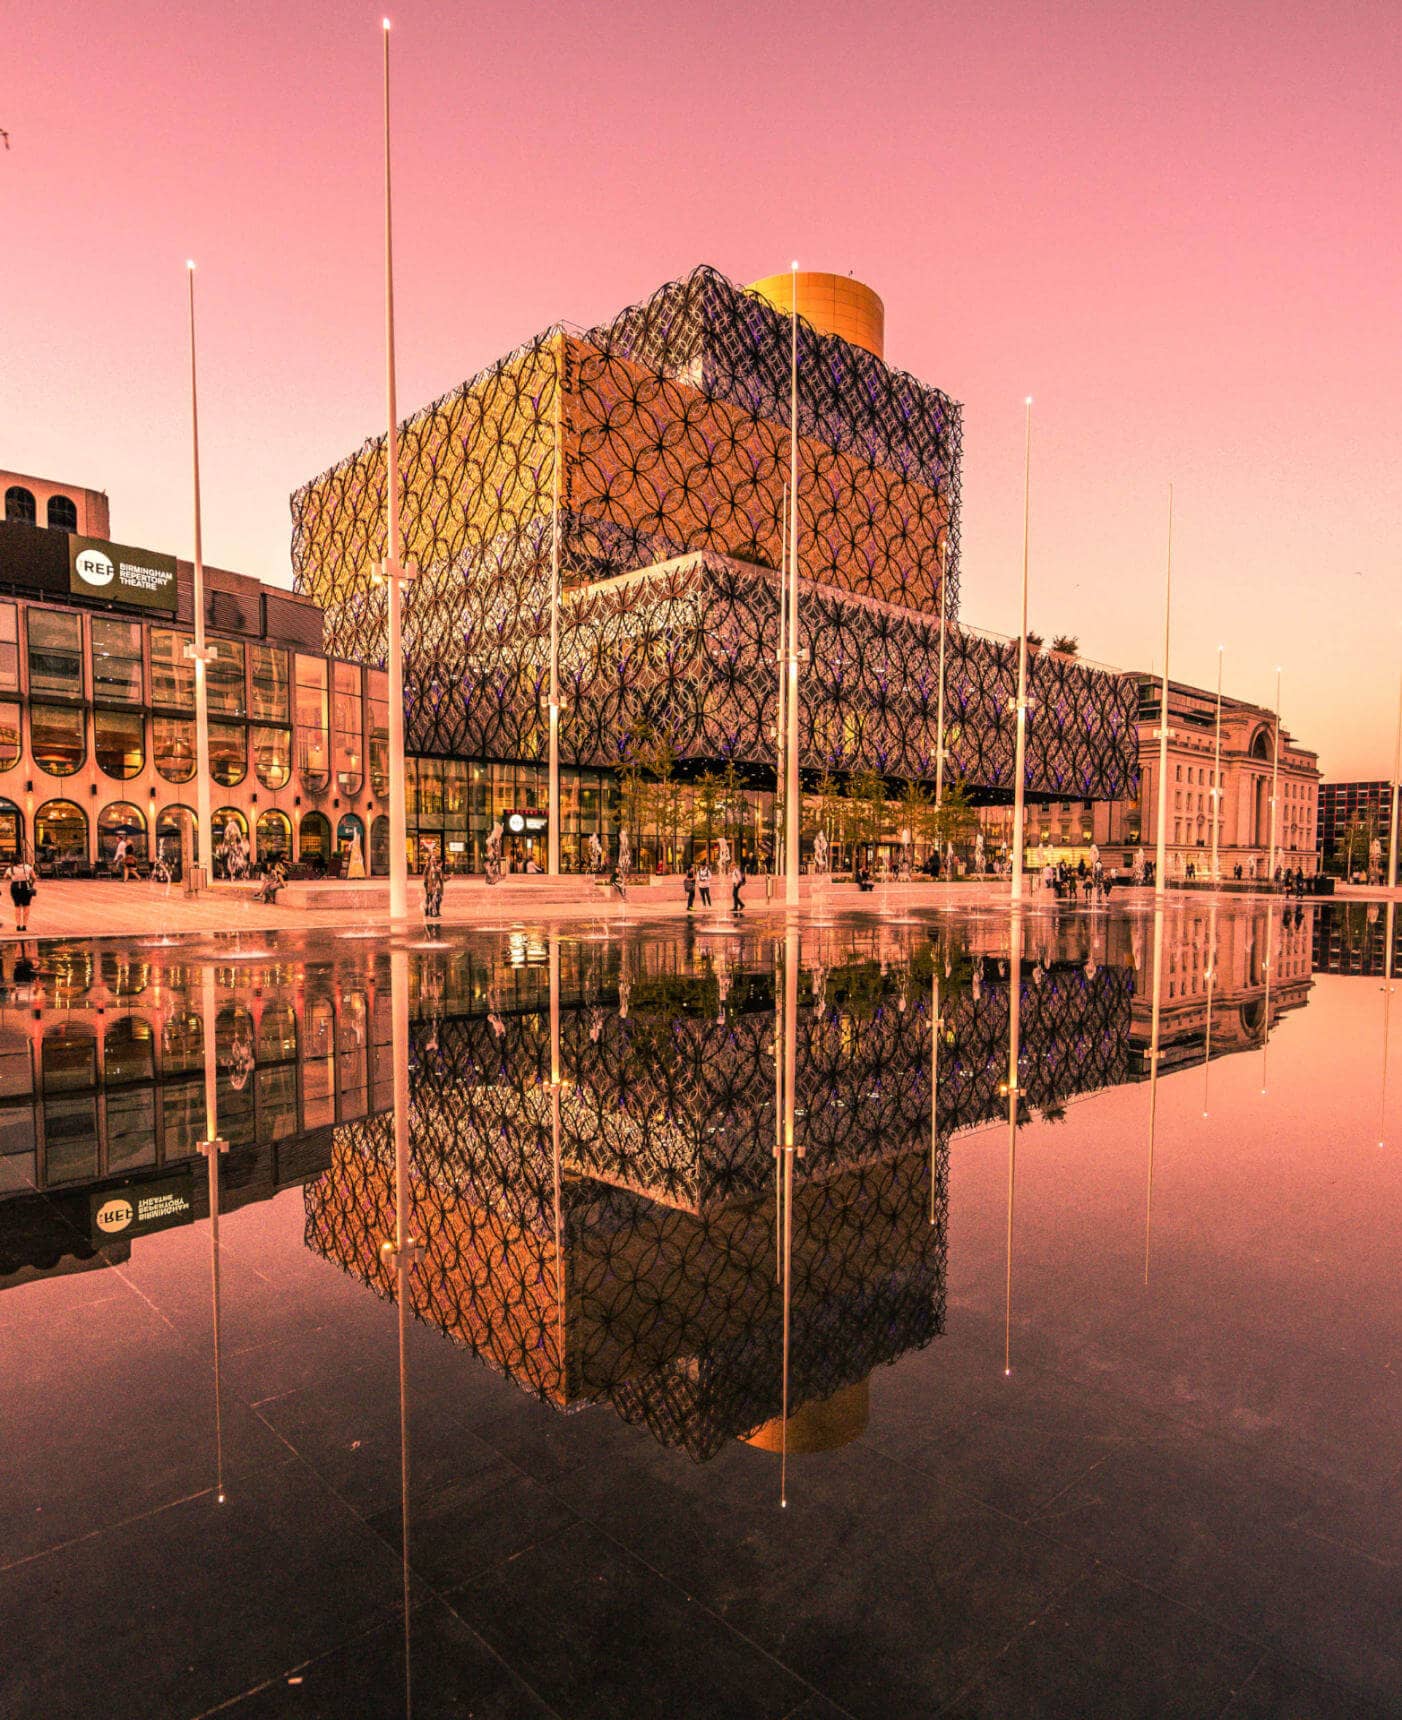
[(97, 708)]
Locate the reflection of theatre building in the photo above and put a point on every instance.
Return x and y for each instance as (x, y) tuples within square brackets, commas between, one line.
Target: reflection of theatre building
[(97, 731), (633, 1258), (102, 1104), (648, 457)]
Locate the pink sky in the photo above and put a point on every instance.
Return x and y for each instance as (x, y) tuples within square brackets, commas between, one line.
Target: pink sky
[(1177, 227)]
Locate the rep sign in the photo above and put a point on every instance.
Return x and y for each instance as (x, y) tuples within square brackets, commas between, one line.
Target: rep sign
[(121, 573), (139, 1208)]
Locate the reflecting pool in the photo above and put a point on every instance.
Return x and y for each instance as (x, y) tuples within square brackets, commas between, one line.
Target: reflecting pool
[(981, 1314)]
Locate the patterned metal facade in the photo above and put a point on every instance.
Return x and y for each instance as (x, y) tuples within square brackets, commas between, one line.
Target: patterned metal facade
[(650, 456)]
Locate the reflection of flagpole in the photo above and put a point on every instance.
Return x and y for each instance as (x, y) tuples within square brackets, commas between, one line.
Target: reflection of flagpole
[(1396, 796), (401, 1253), (1387, 1020), (555, 1095), (1155, 1026), (211, 1147), (936, 1027), (1014, 1091), (1266, 1025), (791, 960), (552, 839), (1211, 981)]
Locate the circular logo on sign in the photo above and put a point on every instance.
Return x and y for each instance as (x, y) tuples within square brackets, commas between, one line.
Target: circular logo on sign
[(95, 568), (115, 1214), (516, 822)]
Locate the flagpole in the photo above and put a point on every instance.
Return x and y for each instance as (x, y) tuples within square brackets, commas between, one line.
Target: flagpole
[(781, 726), (1396, 793), (1275, 781), (791, 824), (1161, 849), (1217, 776), (198, 652), (1020, 759), (939, 721), (394, 573)]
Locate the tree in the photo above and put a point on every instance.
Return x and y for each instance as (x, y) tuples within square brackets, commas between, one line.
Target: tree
[(866, 795), (1066, 643), (956, 819), (915, 806)]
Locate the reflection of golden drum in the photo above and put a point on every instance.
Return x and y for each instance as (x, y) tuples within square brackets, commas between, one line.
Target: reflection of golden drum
[(824, 1426), (834, 304)]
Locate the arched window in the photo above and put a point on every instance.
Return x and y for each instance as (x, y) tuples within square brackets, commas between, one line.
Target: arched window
[(11, 833), (120, 819), (119, 742), (19, 504), (57, 739), (272, 755), (226, 821), (63, 514), (182, 1044), (274, 834), (128, 1051), (60, 832), (228, 753), (314, 839), (277, 1033), (175, 828), (379, 846), (173, 747), (68, 1057), (350, 830)]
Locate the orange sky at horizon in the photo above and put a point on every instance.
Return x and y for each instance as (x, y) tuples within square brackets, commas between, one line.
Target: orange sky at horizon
[(1177, 228)]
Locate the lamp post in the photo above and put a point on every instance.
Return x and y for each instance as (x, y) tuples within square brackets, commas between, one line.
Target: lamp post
[(1275, 778), (791, 822), (394, 574), (198, 651), (1217, 776), (1020, 757), (1161, 848)]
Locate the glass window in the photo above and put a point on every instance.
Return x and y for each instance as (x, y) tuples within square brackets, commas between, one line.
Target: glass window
[(172, 672), (63, 514), (119, 742), (60, 832), (274, 835), (55, 653), (116, 660), (119, 819), (228, 753), (11, 832), (225, 689), (173, 747), (57, 739), (19, 504), (68, 1057), (9, 648), (131, 1128), (313, 763), (314, 839), (272, 756), (128, 1051), (377, 695), (9, 734), (182, 1119), (270, 685), (350, 764), (175, 829)]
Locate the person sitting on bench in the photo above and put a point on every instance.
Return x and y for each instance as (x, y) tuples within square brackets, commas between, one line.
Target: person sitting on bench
[(273, 881)]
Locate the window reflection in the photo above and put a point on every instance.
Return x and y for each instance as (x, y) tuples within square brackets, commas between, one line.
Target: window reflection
[(56, 739), (55, 653), (119, 742)]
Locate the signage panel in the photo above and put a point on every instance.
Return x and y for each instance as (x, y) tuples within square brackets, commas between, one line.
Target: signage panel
[(121, 573), (139, 1208)]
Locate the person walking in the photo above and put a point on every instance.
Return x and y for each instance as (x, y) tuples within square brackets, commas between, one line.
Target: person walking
[(737, 884), (22, 882), (119, 859), (703, 884), (689, 885), (433, 887)]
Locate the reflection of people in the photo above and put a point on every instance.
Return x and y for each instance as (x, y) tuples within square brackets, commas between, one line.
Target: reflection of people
[(355, 857), (703, 883), (596, 853), (737, 884), (625, 851), (493, 863), (820, 852)]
